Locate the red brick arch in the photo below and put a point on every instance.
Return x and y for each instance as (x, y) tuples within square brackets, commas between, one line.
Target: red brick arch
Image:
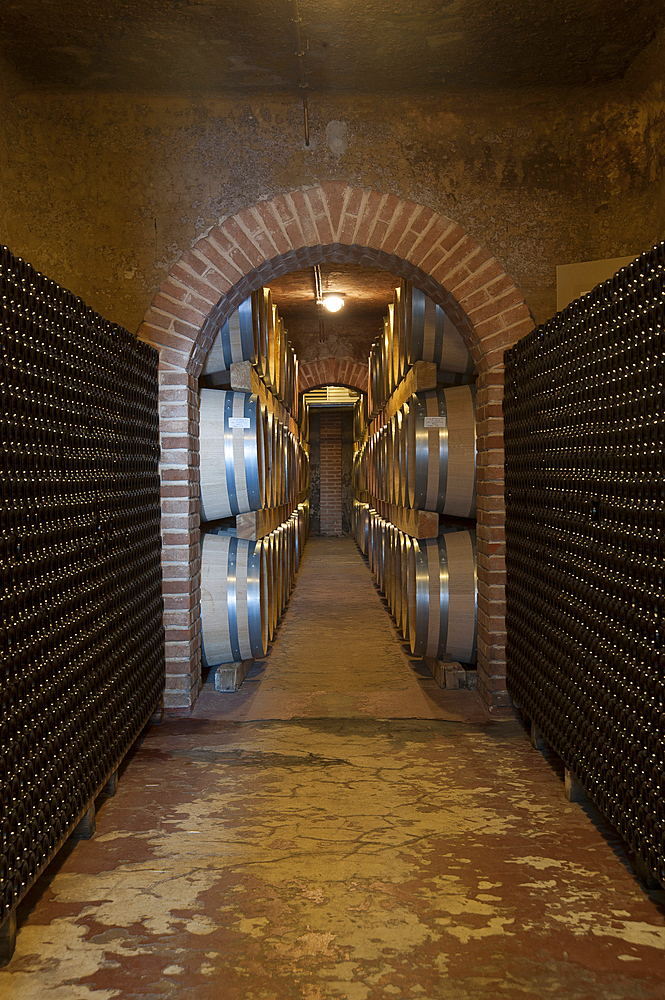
[(332, 371), (332, 222)]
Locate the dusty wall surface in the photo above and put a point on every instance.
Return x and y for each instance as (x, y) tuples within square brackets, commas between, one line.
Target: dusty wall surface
[(341, 337), (103, 192)]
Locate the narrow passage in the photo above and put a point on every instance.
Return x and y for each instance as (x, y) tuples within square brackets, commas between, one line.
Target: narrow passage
[(337, 653)]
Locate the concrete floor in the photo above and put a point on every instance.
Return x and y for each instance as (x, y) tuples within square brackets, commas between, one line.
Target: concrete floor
[(340, 829)]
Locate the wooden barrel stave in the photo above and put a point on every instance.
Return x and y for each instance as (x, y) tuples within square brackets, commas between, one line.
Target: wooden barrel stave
[(432, 336), (236, 340), (442, 598), (233, 623), (441, 460), (231, 453)]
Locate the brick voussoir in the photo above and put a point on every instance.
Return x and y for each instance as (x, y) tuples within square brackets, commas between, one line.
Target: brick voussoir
[(332, 221)]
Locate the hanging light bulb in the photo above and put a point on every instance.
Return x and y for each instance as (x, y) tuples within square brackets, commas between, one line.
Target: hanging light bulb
[(333, 303)]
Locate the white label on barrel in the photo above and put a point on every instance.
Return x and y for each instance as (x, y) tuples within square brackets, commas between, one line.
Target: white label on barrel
[(434, 421), (239, 422)]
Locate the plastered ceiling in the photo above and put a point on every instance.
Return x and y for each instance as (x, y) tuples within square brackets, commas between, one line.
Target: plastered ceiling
[(314, 331), (362, 46)]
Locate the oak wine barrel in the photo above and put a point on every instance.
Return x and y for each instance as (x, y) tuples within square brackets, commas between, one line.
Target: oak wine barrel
[(232, 453), (432, 336), (233, 599), (443, 596), (441, 458)]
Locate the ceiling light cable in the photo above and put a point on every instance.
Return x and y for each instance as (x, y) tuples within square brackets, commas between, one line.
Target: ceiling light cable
[(318, 287), (318, 295), (304, 86)]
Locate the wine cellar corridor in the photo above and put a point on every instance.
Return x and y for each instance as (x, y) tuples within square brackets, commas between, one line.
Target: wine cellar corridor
[(332, 369), (337, 653), (351, 652)]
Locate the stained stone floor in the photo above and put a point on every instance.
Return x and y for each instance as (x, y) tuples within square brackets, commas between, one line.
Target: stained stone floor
[(341, 853)]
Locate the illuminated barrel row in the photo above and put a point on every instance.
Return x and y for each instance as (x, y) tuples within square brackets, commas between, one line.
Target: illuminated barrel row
[(248, 458), (415, 329), (424, 457), (430, 584), (245, 586), (255, 332)]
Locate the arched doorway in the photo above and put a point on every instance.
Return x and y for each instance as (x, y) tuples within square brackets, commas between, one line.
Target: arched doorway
[(332, 222)]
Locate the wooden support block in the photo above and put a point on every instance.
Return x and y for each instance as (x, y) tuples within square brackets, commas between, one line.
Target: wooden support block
[(537, 741), (229, 676), (573, 789), (7, 938), (112, 784), (86, 826), (240, 377), (451, 675), (416, 523), (643, 874), (258, 523), (244, 378)]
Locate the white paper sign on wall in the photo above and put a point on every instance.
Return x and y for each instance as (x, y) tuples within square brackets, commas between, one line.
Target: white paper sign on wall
[(239, 422), (434, 422)]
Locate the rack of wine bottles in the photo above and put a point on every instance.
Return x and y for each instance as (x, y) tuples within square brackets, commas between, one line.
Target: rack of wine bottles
[(585, 545), (82, 634)]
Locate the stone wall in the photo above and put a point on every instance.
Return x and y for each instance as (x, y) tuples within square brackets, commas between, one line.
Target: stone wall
[(104, 192)]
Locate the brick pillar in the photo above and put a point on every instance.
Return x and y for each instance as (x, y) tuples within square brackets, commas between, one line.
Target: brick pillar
[(181, 548), (331, 474)]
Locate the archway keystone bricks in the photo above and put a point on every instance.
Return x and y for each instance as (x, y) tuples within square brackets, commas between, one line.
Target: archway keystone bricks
[(333, 371), (332, 222)]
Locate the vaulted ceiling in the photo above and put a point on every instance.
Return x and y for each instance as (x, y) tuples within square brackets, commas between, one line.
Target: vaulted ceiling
[(361, 46), (366, 292), (246, 49)]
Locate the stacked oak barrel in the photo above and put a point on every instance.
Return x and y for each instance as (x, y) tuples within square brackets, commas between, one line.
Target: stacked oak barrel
[(253, 458), (414, 467)]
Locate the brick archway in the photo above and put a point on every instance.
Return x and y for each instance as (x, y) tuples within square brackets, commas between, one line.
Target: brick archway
[(332, 371), (332, 222)]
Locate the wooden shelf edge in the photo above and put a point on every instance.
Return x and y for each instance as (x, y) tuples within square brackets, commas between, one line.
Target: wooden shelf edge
[(245, 378), (421, 376), (415, 523), (258, 523)]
